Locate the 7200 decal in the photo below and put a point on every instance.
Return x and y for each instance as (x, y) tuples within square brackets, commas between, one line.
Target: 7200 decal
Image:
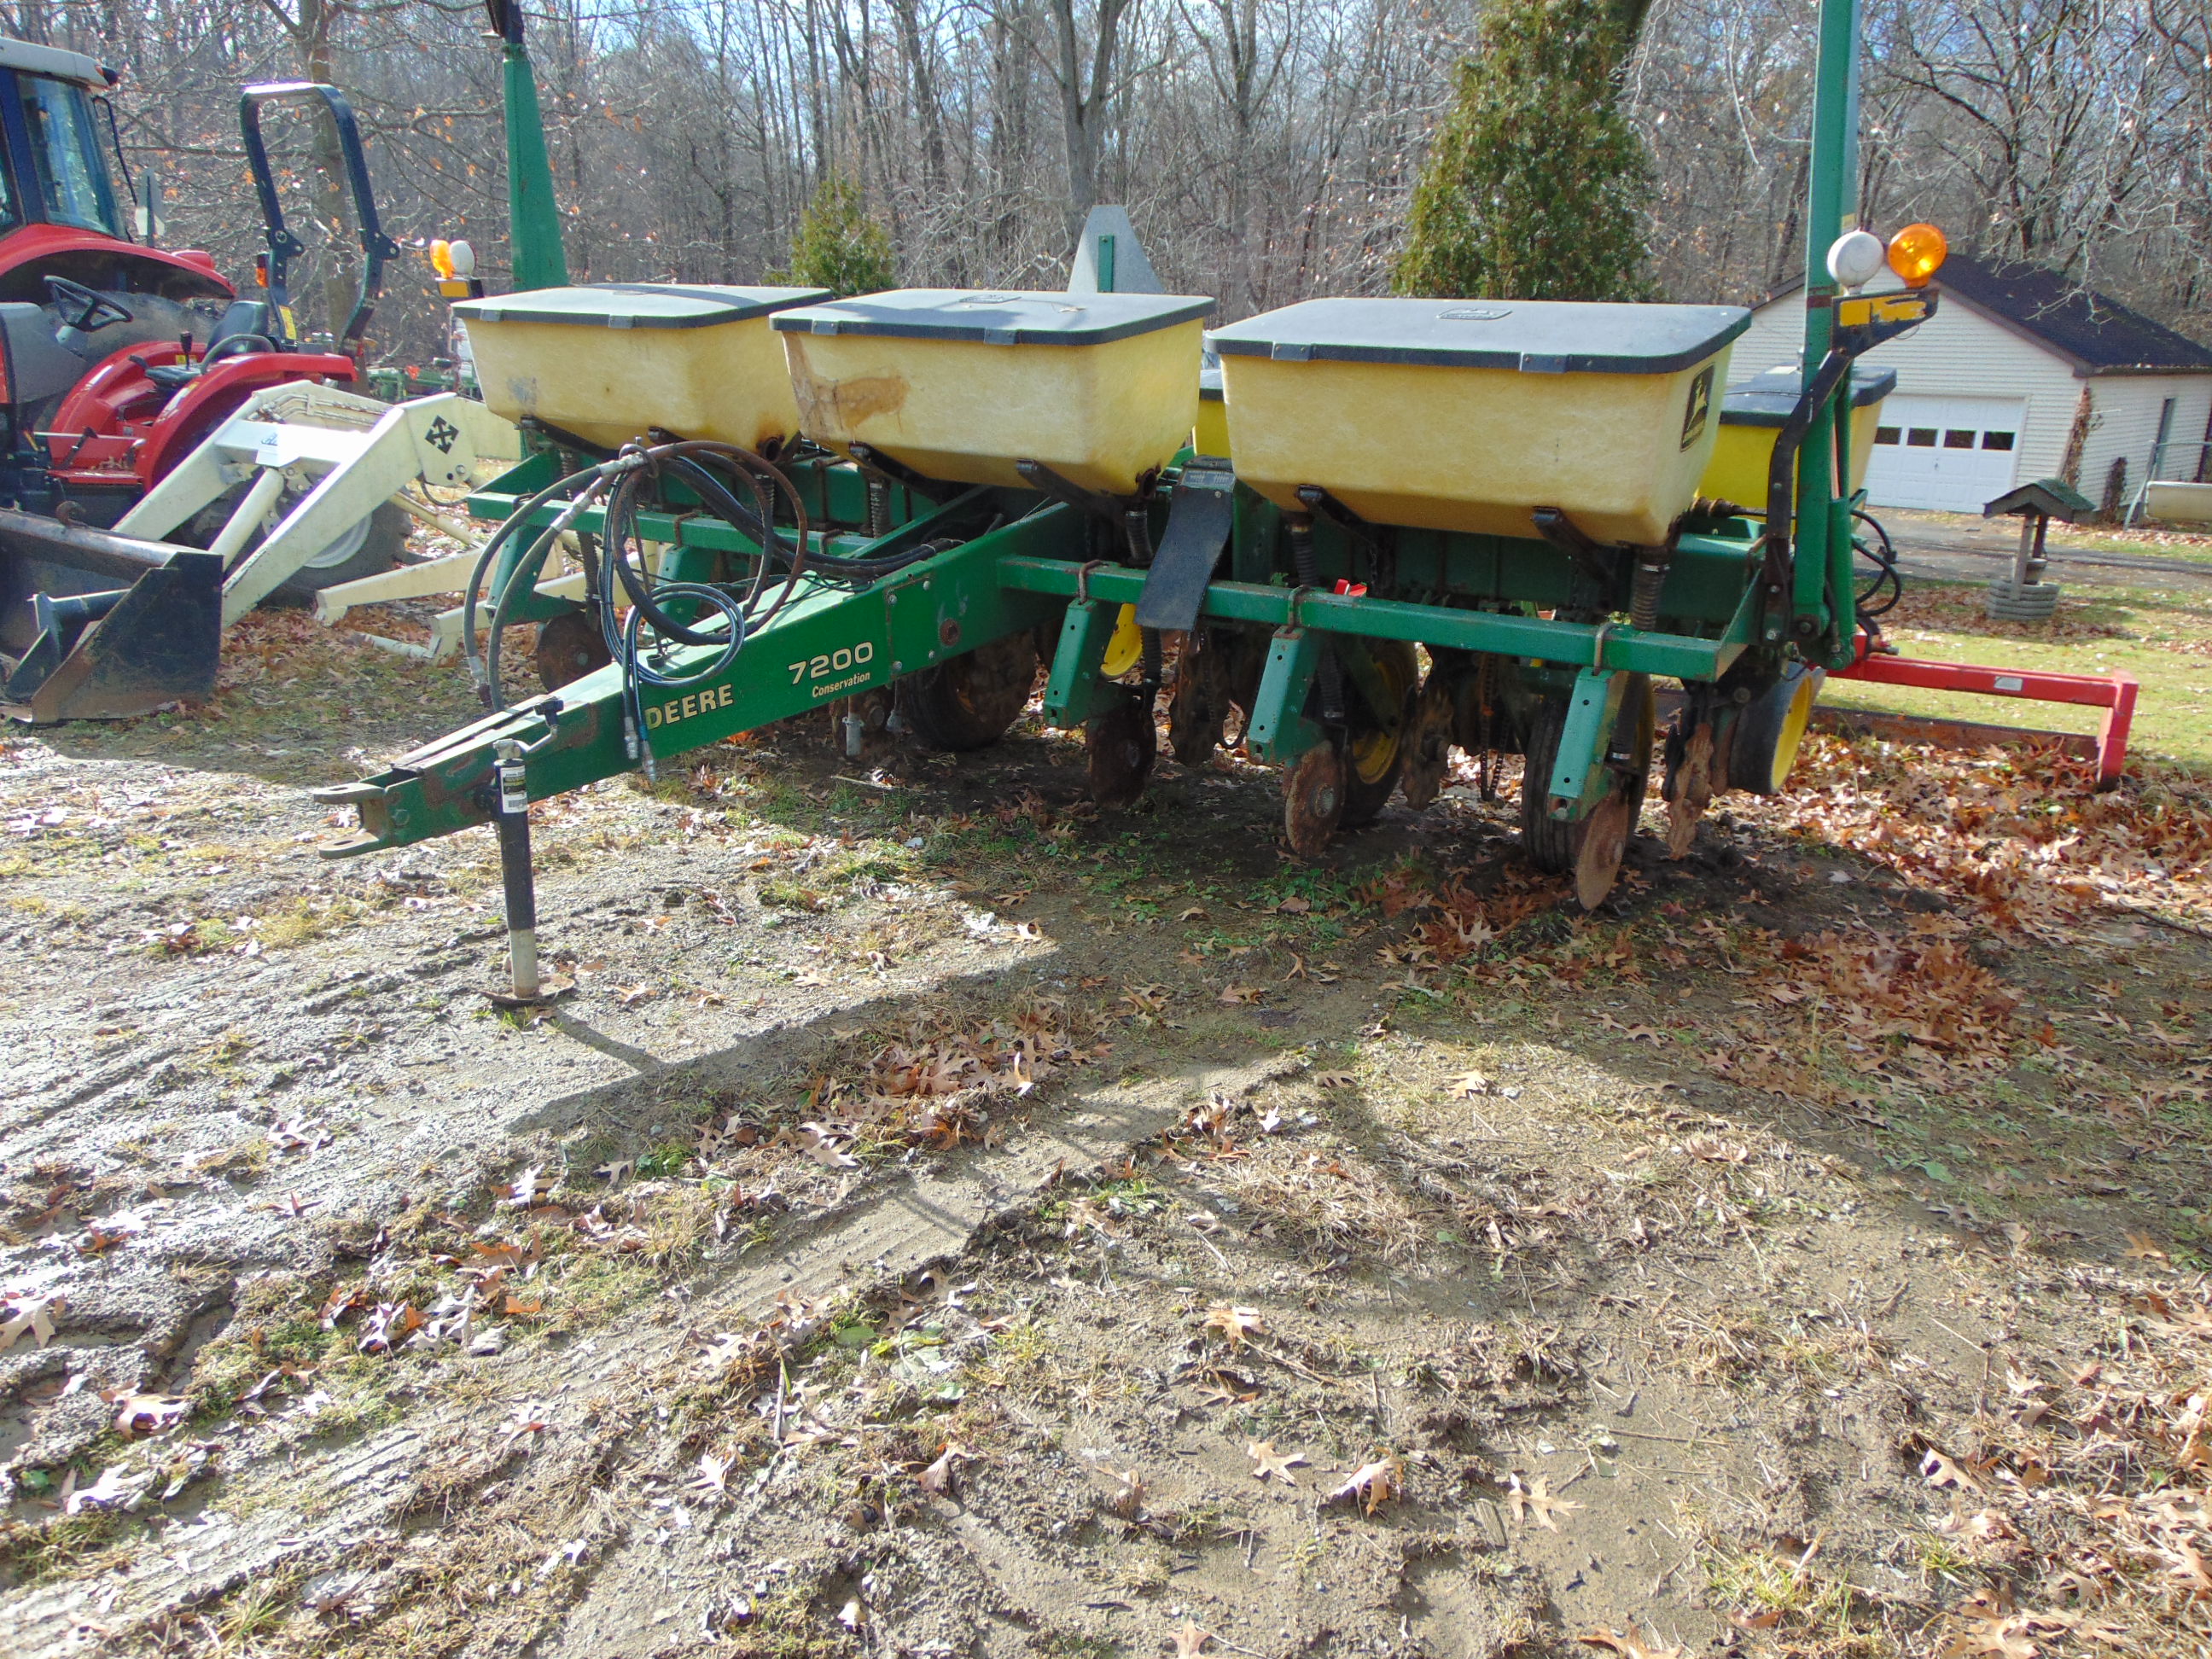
[(832, 662), (833, 673)]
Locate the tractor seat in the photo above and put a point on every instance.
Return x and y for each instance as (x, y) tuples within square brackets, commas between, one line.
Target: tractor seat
[(240, 318)]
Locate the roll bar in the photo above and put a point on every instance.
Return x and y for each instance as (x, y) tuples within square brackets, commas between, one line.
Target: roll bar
[(376, 247)]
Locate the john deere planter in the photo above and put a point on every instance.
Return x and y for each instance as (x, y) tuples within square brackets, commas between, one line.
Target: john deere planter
[(1468, 525)]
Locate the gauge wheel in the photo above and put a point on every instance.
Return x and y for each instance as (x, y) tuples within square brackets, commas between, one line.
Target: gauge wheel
[(1120, 744), (1376, 746), (569, 646), (968, 702), (1592, 848)]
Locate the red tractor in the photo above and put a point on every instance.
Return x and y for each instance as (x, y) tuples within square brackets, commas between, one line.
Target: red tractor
[(120, 357)]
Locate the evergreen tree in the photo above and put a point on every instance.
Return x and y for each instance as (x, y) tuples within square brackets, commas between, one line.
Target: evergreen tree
[(838, 246), (1535, 184)]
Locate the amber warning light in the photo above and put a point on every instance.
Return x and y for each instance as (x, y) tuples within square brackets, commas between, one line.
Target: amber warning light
[(1916, 253)]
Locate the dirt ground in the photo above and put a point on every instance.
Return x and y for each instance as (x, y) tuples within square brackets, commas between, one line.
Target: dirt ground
[(945, 1220)]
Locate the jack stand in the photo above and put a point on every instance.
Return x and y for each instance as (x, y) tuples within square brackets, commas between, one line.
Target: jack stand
[(511, 816)]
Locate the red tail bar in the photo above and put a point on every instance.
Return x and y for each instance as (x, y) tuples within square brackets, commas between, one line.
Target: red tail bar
[(2114, 693)]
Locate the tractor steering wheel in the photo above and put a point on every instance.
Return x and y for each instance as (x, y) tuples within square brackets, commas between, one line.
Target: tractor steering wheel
[(96, 306), (234, 345)]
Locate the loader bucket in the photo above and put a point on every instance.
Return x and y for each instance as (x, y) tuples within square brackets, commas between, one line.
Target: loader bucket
[(97, 626)]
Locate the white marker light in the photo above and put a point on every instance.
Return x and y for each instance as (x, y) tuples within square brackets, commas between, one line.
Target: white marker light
[(464, 259), (1855, 257)]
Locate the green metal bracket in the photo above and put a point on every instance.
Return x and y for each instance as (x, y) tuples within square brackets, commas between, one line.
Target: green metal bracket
[(1280, 730), (1843, 593), (1578, 776), (1075, 691)]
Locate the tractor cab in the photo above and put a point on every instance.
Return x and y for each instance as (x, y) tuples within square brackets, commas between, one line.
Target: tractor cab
[(74, 288), (60, 212), (120, 356)]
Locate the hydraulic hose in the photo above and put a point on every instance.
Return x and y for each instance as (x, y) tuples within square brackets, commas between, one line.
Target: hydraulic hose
[(642, 616)]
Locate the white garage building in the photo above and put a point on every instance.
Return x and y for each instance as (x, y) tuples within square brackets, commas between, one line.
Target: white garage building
[(2018, 376)]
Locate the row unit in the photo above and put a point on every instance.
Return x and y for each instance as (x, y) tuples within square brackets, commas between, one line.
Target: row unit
[(1445, 415)]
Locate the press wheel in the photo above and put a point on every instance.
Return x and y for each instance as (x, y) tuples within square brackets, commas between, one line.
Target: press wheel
[(1592, 847), (1120, 744), (1688, 789), (1313, 799), (1428, 743), (569, 646), (1376, 745), (968, 702), (1197, 709)]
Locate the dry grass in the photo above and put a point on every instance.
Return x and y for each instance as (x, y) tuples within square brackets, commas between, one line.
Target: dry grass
[(1327, 1198)]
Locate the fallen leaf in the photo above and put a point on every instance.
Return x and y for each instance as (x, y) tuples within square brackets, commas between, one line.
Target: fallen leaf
[(938, 1477), (1371, 1485), (713, 1476), (1190, 1641), (530, 1188), (1993, 1627), (1234, 993), (822, 1147), (1634, 1645), (1334, 1079), (1234, 1323), (1940, 1471), (32, 1314), (145, 1414), (1228, 1389), (1537, 1500), (116, 1489), (1128, 1498), (1467, 1085), (1267, 1461), (2142, 1247)]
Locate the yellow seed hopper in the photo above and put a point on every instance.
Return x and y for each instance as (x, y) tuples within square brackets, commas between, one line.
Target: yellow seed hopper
[(1752, 413), (1470, 415), (608, 361), (959, 385)]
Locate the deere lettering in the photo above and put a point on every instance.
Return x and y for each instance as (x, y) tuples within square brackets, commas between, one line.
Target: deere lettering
[(684, 708)]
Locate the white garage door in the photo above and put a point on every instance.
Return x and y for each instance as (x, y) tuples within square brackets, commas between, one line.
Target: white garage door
[(1948, 454)]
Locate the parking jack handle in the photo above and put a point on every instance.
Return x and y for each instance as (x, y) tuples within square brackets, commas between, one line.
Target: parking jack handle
[(511, 787)]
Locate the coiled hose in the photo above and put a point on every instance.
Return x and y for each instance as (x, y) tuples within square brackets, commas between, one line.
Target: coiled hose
[(637, 610)]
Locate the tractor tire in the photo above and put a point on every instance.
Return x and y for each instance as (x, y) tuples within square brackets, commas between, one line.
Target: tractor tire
[(969, 702), (1590, 848), (1374, 751), (2011, 601), (369, 548)]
